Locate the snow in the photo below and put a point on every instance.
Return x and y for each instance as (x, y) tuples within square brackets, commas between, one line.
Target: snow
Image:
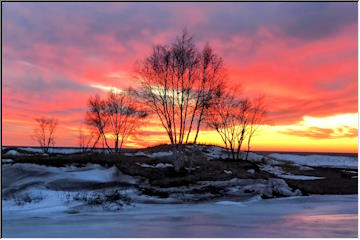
[(140, 154), (151, 155), (92, 172), (278, 187), (52, 150), (251, 171), (278, 171), (227, 171), (6, 160), (161, 154), (318, 160), (19, 174), (300, 177), (254, 156), (312, 216), (216, 152), (159, 165), (12, 152)]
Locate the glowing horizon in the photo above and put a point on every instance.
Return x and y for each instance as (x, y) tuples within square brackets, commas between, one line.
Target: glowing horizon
[(301, 56)]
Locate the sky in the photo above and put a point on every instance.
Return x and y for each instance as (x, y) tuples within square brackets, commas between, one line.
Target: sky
[(301, 56)]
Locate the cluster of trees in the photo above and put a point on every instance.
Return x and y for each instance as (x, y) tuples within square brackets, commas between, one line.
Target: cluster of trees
[(185, 87), (237, 120), (180, 83), (117, 116)]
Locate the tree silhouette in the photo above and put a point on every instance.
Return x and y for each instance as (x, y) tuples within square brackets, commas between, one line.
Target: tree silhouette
[(44, 133), (179, 84)]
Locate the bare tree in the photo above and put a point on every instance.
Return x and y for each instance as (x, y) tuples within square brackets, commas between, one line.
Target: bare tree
[(84, 139), (230, 119), (44, 133), (124, 116), (256, 119), (178, 84), (96, 118)]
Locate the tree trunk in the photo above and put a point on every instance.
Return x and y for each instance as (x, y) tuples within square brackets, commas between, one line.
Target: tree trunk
[(248, 149), (117, 144), (178, 158)]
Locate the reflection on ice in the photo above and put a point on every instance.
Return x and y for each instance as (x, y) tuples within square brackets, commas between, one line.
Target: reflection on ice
[(313, 216)]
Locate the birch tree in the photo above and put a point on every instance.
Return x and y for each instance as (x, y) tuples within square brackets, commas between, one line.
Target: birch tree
[(230, 118), (178, 83), (256, 119), (124, 116)]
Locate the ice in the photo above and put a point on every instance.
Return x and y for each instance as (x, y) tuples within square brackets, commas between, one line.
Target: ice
[(312, 216), (232, 203), (318, 160)]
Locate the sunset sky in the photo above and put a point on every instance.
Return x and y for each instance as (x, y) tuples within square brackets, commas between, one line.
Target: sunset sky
[(301, 56)]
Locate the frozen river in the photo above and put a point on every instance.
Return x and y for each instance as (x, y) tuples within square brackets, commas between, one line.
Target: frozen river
[(312, 216)]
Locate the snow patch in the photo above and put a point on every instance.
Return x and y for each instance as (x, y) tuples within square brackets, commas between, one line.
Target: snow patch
[(6, 160), (13, 153), (301, 177), (52, 150), (159, 165), (150, 155), (160, 154), (278, 187)]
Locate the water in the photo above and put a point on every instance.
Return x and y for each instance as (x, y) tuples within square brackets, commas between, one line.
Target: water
[(312, 216)]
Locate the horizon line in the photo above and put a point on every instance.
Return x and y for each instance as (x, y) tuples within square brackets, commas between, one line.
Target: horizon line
[(134, 148)]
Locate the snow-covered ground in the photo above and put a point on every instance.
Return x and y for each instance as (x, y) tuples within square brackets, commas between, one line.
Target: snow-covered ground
[(273, 163), (312, 216), (48, 203)]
